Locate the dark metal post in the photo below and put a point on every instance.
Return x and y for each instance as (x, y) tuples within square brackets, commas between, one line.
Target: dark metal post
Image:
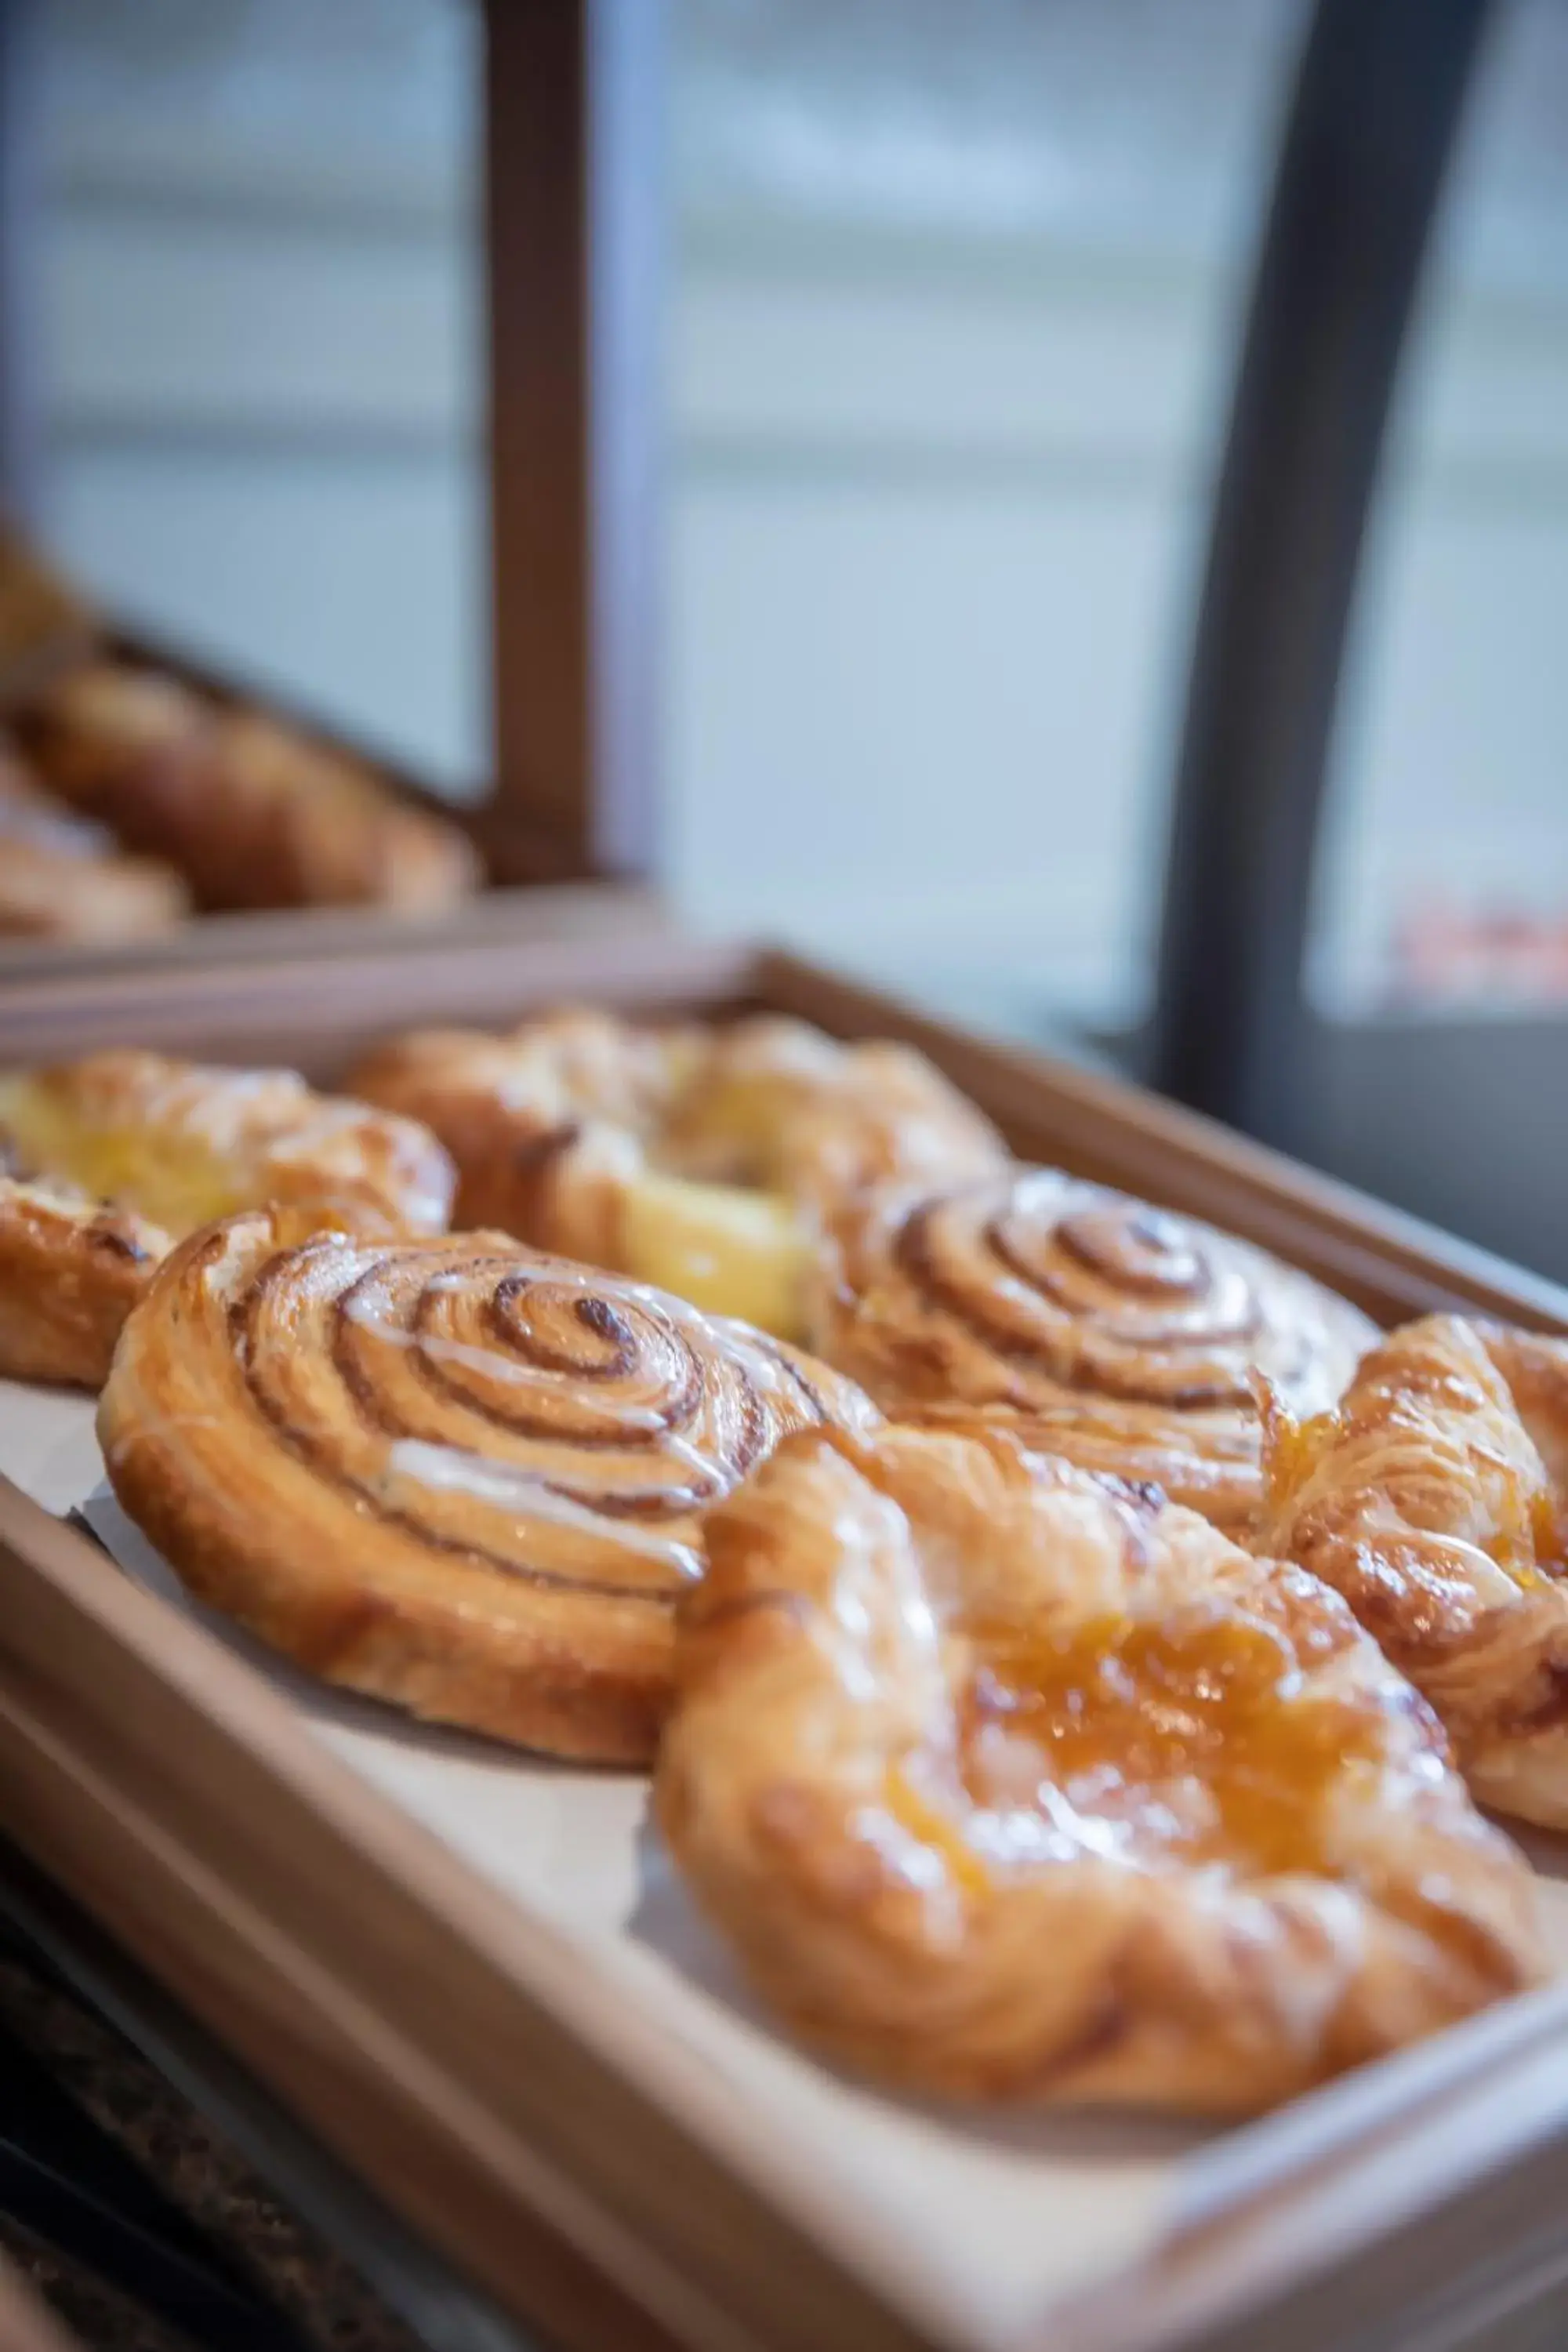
[(574, 125), (1377, 102), (21, 423)]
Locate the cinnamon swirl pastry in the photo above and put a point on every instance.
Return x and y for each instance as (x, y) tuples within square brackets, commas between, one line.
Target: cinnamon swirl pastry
[(1119, 1335), (702, 1159), (455, 1474), (181, 1144), (252, 813), (1434, 1499), (1009, 1781)]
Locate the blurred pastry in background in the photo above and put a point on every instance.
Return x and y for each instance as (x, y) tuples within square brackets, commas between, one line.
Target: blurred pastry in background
[(63, 877), (253, 812)]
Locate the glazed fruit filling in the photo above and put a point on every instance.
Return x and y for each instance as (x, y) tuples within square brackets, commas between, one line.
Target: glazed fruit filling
[(172, 1181), (1191, 1738)]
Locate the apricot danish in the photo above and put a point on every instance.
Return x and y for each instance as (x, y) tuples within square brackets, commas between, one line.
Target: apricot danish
[(1008, 1781)]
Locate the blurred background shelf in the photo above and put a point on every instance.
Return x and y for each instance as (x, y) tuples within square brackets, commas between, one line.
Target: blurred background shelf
[(950, 318)]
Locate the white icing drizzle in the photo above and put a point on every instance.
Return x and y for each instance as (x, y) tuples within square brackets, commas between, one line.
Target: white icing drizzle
[(699, 1463), (448, 1470)]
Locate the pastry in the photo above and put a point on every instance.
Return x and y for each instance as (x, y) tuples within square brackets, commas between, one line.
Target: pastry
[(187, 1142), (1434, 1499), (1010, 1781), (179, 1144), (455, 1474), (62, 878), (253, 813), (70, 1272), (105, 900), (1119, 1335), (701, 1159)]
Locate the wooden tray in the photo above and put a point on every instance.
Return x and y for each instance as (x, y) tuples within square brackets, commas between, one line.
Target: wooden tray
[(547, 2112), (556, 911)]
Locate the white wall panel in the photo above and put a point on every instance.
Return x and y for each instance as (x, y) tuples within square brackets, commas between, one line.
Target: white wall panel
[(178, 321), (1021, 643), (987, 361)]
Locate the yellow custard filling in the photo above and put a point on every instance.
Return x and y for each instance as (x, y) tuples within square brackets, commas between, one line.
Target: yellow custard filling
[(728, 1250), (172, 1179)]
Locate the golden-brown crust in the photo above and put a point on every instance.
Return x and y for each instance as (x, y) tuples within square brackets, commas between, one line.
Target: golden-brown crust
[(252, 813), (530, 1119), (1257, 1883), (548, 1125), (47, 896), (1120, 1336), (62, 878), (327, 833), (1433, 1500), (70, 1272), (453, 1473)]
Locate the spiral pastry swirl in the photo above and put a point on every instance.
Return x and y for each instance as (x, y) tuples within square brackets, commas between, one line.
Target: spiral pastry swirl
[(1116, 1334), (456, 1473)]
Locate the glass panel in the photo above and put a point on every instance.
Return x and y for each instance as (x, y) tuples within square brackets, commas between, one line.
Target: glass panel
[(1445, 869), (951, 338), (1440, 953)]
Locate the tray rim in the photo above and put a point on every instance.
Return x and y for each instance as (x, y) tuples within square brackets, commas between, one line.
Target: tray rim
[(260, 935), (515, 883), (1391, 1261), (77, 1771)]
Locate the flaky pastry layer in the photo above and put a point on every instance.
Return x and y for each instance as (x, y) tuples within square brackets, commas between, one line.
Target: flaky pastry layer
[(1436, 1500), (186, 1142), (70, 1272)]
